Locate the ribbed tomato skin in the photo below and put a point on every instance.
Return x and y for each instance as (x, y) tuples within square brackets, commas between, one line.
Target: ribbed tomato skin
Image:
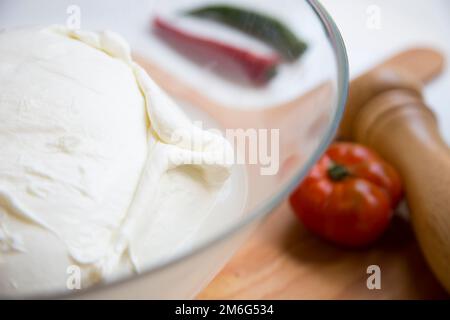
[(355, 210)]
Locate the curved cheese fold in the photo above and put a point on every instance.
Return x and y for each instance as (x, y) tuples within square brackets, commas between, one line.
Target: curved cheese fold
[(98, 167)]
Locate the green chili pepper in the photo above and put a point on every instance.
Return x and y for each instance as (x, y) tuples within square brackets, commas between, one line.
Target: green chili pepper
[(267, 29)]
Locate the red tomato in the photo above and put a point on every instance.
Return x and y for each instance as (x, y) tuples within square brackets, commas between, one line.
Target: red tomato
[(349, 195)]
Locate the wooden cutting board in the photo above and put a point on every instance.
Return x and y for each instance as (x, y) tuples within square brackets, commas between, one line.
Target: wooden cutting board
[(282, 260)]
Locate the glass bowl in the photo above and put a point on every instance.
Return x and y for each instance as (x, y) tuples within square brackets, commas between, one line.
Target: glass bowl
[(303, 105)]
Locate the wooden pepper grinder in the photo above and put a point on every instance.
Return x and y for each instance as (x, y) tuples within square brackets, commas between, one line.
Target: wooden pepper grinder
[(386, 111)]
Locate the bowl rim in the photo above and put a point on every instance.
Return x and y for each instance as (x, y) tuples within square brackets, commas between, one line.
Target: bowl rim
[(340, 55)]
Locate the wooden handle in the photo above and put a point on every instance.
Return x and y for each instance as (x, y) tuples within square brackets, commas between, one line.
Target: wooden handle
[(409, 69), (398, 125)]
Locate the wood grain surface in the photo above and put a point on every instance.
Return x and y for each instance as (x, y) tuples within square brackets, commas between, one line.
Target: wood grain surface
[(282, 260)]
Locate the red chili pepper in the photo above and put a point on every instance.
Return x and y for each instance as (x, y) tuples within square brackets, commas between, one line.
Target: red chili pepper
[(224, 58)]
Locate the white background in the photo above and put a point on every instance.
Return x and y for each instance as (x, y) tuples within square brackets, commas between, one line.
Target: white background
[(404, 23)]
